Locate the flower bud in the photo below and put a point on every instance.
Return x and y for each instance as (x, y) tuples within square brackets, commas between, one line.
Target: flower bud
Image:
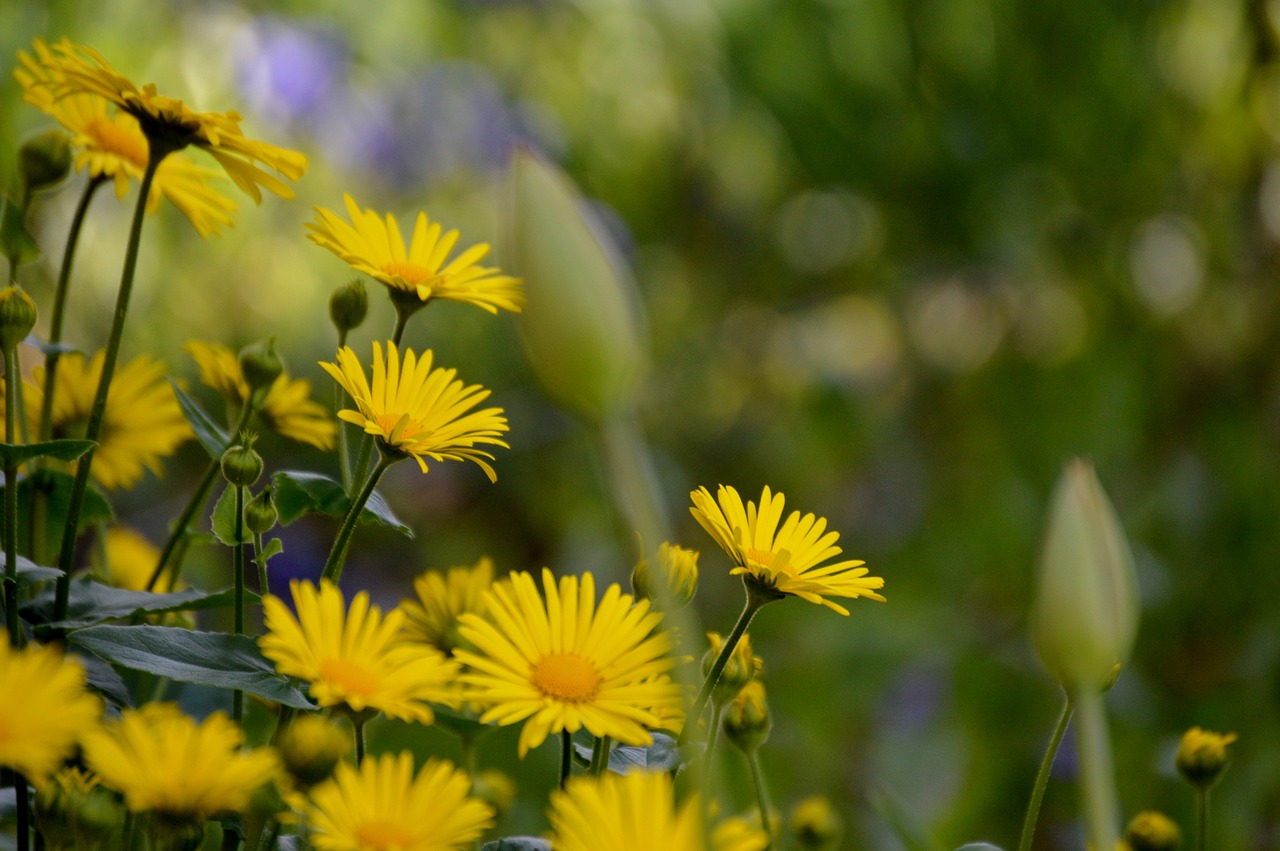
[(816, 824), (260, 364), (73, 812), (17, 316), (495, 789), (1153, 831), (241, 466), (312, 747), (349, 305), (740, 669), (44, 160), (580, 327), (746, 720), (1085, 616), (1202, 756), (260, 513), (676, 567)]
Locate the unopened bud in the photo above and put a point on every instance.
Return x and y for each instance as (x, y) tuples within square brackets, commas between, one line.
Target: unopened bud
[(676, 568), (495, 789), (311, 749), (349, 305), (1202, 756), (740, 669), (1153, 831), (44, 160), (260, 364), (241, 466), (816, 824), (747, 721), (17, 316), (260, 513)]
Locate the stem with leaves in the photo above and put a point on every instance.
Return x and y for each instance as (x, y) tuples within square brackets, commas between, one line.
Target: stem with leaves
[(338, 554)]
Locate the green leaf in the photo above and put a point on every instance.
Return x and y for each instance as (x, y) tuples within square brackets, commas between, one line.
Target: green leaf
[(104, 679), (92, 602), (662, 755), (291, 842), (56, 487), (15, 241), (517, 843), (224, 520), (211, 435), (63, 450), (30, 573), (299, 492), (204, 658), (269, 549)]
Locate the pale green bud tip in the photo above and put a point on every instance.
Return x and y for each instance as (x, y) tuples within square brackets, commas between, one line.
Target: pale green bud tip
[(349, 305), (260, 364), (17, 316), (1085, 616), (1202, 756), (241, 465), (495, 789), (816, 824), (746, 720), (676, 567), (1153, 831), (312, 747), (260, 513), (44, 160)]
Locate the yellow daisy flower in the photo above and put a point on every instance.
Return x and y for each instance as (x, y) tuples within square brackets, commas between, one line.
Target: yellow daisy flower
[(374, 246), (113, 147), (74, 69), (383, 806), (787, 560), (288, 408), (418, 411), (637, 812), (355, 658), (164, 762), (442, 599), (44, 709), (565, 663)]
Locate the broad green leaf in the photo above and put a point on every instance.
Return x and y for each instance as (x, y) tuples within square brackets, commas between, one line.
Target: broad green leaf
[(291, 842), (63, 450), (662, 755), (224, 520), (104, 679), (15, 241), (29, 573), (204, 658), (212, 436), (517, 843), (300, 491), (91, 602)]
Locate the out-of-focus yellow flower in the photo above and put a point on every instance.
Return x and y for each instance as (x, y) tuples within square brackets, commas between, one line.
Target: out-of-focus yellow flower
[(287, 409), (131, 559), (747, 721), (787, 560), (442, 599), (1202, 756), (564, 663), (383, 806), (417, 273), (675, 567), (44, 711), (311, 748), (1153, 831), (816, 824), (74, 812), (418, 411)]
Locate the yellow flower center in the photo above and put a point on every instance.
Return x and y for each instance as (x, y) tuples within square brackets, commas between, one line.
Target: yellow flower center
[(383, 836), (761, 558), (118, 139), (399, 428), (567, 677), (411, 273), (350, 678)]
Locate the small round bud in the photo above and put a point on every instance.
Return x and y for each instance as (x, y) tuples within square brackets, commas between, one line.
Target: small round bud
[(17, 316), (349, 305), (816, 824), (676, 567), (260, 364), (1202, 756), (495, 789), (312, 747), (747, 721), (1152, 831), (260, 513), (241, 466), (742, 667), (44, 160), (73, 812)]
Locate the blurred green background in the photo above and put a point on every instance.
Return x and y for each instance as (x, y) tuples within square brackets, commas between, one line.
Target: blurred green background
[(898, 259)]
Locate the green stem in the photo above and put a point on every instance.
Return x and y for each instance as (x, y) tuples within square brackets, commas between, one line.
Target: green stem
[(358, 724), (600, 756), (338, 555), (264, 584), (11, 381), (1042, 777), (269, 837), (344, 443), (762, 798), (1100, 809), (713, 737), (366, 441), (67, 550), (237, 551), (566, 756), (468, 743), (1202, 829), (24, 812)]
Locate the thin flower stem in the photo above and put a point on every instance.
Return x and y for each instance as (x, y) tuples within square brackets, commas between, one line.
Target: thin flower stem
[(11, 502), (264, 584), (753, 605), (1100, 810), (269, 837), (237, 558), (344, 448), (24, 812), (1042, 777), (762, 797), (713, 737), (338, 555), (1202, 829), (468, 744), (366, 441), (358, 724), (600, 756), (566, 756), (67, 550)]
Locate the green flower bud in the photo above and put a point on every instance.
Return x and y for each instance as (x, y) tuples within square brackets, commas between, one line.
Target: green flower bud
[(44, 160), (816, 824), (676, 568), (312, 747), (1085, 616), (1153, 831), (495, 789), (746, 720), (73, 812), (260, 364), (349, 305), (740, 669), (260, 515), (241, 466), (1202, 756), (17, 316), (580, 326)]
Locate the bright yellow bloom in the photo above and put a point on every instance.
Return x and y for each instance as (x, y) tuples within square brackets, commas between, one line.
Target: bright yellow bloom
[(382, 806), (787, 560), (76, 69), (288, 408), (442, 599), (637, 812), (163, 761), (355, 658), (418, 411), (131, 559), (565, 663), (375, 247), (44, 709)]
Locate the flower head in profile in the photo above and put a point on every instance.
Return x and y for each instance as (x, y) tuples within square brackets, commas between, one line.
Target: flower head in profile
[(1202, 756), (287, 408), (417, 411), (383, 806), (419, 272), (68, 69), (443, 598), (638, 812), (164, 762), (354, 658), (564, 663), (786, 560), (45, 710)]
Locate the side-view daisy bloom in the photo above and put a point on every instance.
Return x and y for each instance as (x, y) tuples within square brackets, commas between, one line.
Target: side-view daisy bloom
[(442, 598), (788, 560), (373, 245), (354, 658), (564, 663), (383, 806), (418, 411), (45, 709)]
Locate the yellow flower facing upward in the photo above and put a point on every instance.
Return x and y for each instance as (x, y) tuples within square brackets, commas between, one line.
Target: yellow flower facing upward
[(373, 245), (44, 709), (71, 69), (638, 812), (355, 658), (418, 411), (162, 761), (288, 408), (566, 663), (383, 806), (788, 560), (442, 599)]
